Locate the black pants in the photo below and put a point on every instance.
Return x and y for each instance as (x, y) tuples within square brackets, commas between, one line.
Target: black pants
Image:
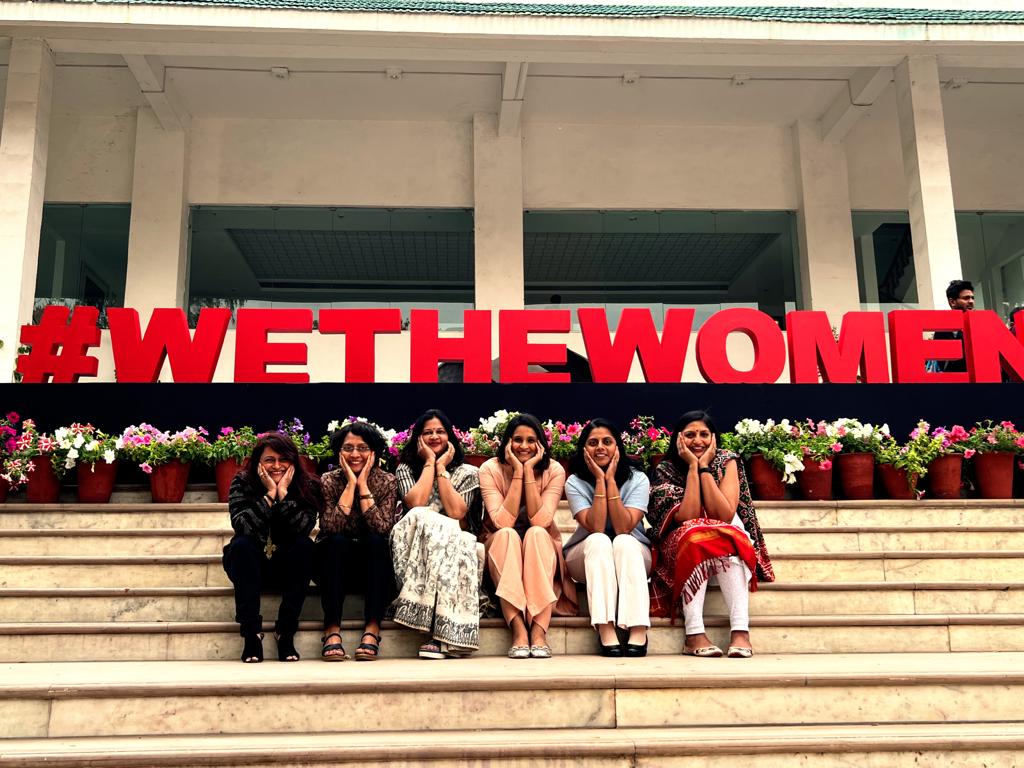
[(348, 565), (251, 572)]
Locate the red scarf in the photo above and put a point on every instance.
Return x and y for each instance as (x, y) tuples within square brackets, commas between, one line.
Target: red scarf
[(704, 551)]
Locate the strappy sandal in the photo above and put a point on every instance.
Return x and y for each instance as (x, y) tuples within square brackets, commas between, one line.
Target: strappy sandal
[(325, 651), (252, 651), (368, 651)]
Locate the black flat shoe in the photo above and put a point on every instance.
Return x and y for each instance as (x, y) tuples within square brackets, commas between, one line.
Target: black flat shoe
[(614, 651), (636, 651)]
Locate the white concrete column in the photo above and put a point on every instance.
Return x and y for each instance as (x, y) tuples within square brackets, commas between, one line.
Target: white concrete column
[(828, 262), (23, 148), (929, 189), (497, 216), (158, 238)]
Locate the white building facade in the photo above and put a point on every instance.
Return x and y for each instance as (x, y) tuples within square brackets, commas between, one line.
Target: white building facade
[(493, 156)]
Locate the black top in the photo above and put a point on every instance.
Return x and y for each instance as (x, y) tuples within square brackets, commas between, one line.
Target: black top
[(952, 366), (251, 515)]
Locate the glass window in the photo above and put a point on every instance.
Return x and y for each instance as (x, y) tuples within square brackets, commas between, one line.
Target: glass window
[(83, 256), (885, 260), (332, 257), (991, 257), (708, 260)]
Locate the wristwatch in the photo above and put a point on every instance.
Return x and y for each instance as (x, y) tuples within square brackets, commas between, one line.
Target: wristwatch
[(444, 473), (705, 470)]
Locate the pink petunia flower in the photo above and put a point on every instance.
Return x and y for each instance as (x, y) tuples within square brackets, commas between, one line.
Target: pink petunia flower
[(837, 447), (144, 466), (969, 452), (991, 439), (826, 464), (13, 417)]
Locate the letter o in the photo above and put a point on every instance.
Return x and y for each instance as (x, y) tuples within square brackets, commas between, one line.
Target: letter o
[(763, 332)]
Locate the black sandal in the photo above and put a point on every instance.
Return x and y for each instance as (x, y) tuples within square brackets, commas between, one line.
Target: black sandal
[(286, 648), (324, 652), (368, 651), (252, 651)]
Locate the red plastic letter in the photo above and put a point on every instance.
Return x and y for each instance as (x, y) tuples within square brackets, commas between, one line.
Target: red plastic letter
[(427, 350), (517, 353), (139, 358), (910, 351), (769, 347), (662, 359), (253, 353), (861, 347), (991, 347), (360, 327)]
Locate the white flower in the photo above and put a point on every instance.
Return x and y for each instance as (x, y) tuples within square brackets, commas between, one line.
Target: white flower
[(119, 443), (72, 454), (333, 425), (69, 463), (884, 429), (793, 465), (61, 434), (108, 456), (79, 441), (92, 446)]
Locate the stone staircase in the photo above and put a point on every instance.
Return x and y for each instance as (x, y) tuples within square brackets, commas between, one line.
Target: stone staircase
[(893, 636)]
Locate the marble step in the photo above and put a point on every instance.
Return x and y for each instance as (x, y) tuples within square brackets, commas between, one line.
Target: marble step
[(210, 541), (206, 570), (75, 700), (200, 510), (114, 604), (934, 745), (200, 641)]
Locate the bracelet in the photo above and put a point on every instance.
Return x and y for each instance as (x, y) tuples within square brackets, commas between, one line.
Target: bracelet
[(529, 482), (705, 471), (365, 496), (613, 498), (517, 477), (269, 500), (600, 495)]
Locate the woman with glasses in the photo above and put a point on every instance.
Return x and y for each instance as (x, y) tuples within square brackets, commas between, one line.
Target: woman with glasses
[(434, 548), (273, 505), (352, 555), (609, 551)]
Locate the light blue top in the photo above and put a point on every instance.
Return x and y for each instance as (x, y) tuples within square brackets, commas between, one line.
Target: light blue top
[(635, 493)]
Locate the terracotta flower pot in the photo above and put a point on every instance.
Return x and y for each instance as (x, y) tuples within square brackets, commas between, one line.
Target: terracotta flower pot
[(43, 485), (896, 482), (656, 459), (310, 465), (4, 488), (167, 482), (475, 459), (815, 482), (995, 474), (224, 472), (856, 475), (95, 481), (765, 480), (944, 476)]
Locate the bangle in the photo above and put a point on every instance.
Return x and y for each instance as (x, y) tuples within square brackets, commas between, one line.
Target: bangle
[(268, 498), (364, 496), (613, 498), (529, 482), (599, 495)]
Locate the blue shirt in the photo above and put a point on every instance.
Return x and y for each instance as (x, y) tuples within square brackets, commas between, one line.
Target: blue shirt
[(635, 493)]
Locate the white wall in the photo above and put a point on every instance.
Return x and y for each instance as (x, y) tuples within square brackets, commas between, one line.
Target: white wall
[(91, 159), (630, 166), (295, 162)]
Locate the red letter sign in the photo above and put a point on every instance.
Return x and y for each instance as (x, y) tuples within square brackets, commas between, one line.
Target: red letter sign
[(661, 360), (360, 327), (988, 342), (861, 347), (139, 358), (911, 351), (769, 347), (516, 353), (253, 353), (427, 350)]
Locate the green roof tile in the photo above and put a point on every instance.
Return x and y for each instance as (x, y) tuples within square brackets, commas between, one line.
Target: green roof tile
[(745, 13)]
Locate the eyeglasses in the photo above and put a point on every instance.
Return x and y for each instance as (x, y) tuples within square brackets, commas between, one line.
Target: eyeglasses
[(355, 449)]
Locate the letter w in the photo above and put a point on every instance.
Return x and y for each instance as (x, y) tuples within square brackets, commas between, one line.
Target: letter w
[(139, 358), (661, 359)]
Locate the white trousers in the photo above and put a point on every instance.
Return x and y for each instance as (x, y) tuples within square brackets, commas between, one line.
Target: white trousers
[(615, 573), (733, 583)]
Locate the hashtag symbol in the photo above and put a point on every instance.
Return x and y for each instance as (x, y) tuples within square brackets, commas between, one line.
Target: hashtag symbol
[(57, 348)]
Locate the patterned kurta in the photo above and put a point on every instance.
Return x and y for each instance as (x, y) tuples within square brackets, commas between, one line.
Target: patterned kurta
[(380, 518)]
